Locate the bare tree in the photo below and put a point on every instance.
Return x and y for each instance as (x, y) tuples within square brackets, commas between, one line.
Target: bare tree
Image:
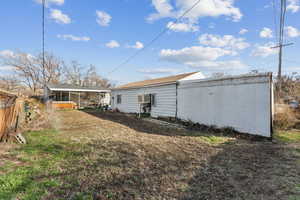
[(290, 87), (31, 71), (92, 78), (73, 74), (10, 83), (52, 70), (84, 76)]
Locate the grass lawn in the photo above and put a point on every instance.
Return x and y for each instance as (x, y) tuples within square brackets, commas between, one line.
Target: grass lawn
[(288, 136), (91, 155)]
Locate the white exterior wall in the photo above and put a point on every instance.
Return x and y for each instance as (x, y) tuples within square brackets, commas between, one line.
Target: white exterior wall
[(165, 100), (106, 99), (242, 103)]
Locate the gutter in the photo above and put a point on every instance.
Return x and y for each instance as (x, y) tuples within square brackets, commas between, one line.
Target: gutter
[(271, 106)]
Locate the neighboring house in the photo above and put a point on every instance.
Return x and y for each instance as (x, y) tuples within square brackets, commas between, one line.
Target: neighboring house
[(241, 102), (71, 96)]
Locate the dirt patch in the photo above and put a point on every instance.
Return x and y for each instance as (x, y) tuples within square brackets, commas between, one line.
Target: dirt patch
[(127, 158), (103, 155)]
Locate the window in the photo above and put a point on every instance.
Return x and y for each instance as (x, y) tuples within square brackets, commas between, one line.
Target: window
[(119, 99), (153, 100)]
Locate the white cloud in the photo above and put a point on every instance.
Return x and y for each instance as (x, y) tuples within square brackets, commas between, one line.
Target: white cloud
[(220, 65), (204, 57), (292, 31), (182, 27), (243, 31), (266, 33), (112, 44), (6, 68), (103, 18), (60, 17), (190, 55), (49, 2), (206, 8), (293, 5), (163, 8), (74, 38), (6, 54), (137, 45), (227, 41), (264, 50), (158, 71)]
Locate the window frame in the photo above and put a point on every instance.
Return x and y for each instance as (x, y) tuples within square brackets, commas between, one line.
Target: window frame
[(153, 100), (119, 99)]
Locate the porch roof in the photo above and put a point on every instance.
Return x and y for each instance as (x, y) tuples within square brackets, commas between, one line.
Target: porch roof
[(75, 88)]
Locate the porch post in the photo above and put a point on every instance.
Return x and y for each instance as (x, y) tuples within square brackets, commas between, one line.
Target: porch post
[(61, 96), (79, 100), (99, 99), (69, 96)]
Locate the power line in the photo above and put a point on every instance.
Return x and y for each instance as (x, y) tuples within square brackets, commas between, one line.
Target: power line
[(154, 39), (275, 20)]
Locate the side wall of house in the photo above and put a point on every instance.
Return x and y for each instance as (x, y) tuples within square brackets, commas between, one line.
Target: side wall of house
[(165, 100), (129, 103), (242, 103)]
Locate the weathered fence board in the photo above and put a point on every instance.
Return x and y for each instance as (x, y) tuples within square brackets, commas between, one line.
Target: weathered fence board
[(9, 110)]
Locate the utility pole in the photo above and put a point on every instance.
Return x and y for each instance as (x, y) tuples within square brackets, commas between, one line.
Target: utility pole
[(43, 40), (280, 42)]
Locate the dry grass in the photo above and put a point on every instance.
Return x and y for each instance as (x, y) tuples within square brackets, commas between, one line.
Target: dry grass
[(286, 118), (113, 156)]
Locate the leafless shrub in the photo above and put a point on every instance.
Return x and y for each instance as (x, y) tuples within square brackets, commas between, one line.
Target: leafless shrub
[(286, 118)]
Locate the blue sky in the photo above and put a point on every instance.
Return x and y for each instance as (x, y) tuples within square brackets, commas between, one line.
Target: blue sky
[(216, 36)]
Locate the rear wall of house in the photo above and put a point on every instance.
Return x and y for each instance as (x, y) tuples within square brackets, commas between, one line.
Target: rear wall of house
[(165, 100), (242, 103)]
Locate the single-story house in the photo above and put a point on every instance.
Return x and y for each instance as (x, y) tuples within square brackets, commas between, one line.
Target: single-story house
[(163, 92), (73, 96), (243, 102)]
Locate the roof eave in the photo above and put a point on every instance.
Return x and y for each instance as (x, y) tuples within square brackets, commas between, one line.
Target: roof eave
[(76, 90), (145, 86)]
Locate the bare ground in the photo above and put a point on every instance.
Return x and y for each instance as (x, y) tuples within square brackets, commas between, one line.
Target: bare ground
[(116, 156), (129, 158)]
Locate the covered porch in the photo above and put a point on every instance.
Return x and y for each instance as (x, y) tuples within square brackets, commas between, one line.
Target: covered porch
[(77, 97)]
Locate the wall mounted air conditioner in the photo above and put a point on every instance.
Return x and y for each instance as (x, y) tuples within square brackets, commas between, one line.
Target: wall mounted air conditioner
[(144, 98)]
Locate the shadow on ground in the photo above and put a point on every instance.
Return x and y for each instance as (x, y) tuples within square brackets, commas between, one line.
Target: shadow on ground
[(119, 166), (132, 122), (120, 170)]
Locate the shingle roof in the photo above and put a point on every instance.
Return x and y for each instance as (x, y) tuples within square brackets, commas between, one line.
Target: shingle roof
[(157, 81), (66, 87)]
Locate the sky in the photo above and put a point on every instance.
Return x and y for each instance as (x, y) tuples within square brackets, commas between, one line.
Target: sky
[(227, 36)]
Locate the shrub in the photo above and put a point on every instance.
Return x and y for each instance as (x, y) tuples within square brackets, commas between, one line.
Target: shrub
[(285, 119)]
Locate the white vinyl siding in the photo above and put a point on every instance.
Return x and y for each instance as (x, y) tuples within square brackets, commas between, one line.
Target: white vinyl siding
[(165, 97), (244, 104)]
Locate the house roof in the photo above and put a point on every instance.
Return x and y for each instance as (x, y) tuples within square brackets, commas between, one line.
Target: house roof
[(75, 88), (157, 81)]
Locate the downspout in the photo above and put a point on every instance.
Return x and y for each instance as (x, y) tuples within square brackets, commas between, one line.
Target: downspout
[(271, 106)]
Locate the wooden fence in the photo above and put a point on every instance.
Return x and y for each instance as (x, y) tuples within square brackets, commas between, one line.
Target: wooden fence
[(9, 112)]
